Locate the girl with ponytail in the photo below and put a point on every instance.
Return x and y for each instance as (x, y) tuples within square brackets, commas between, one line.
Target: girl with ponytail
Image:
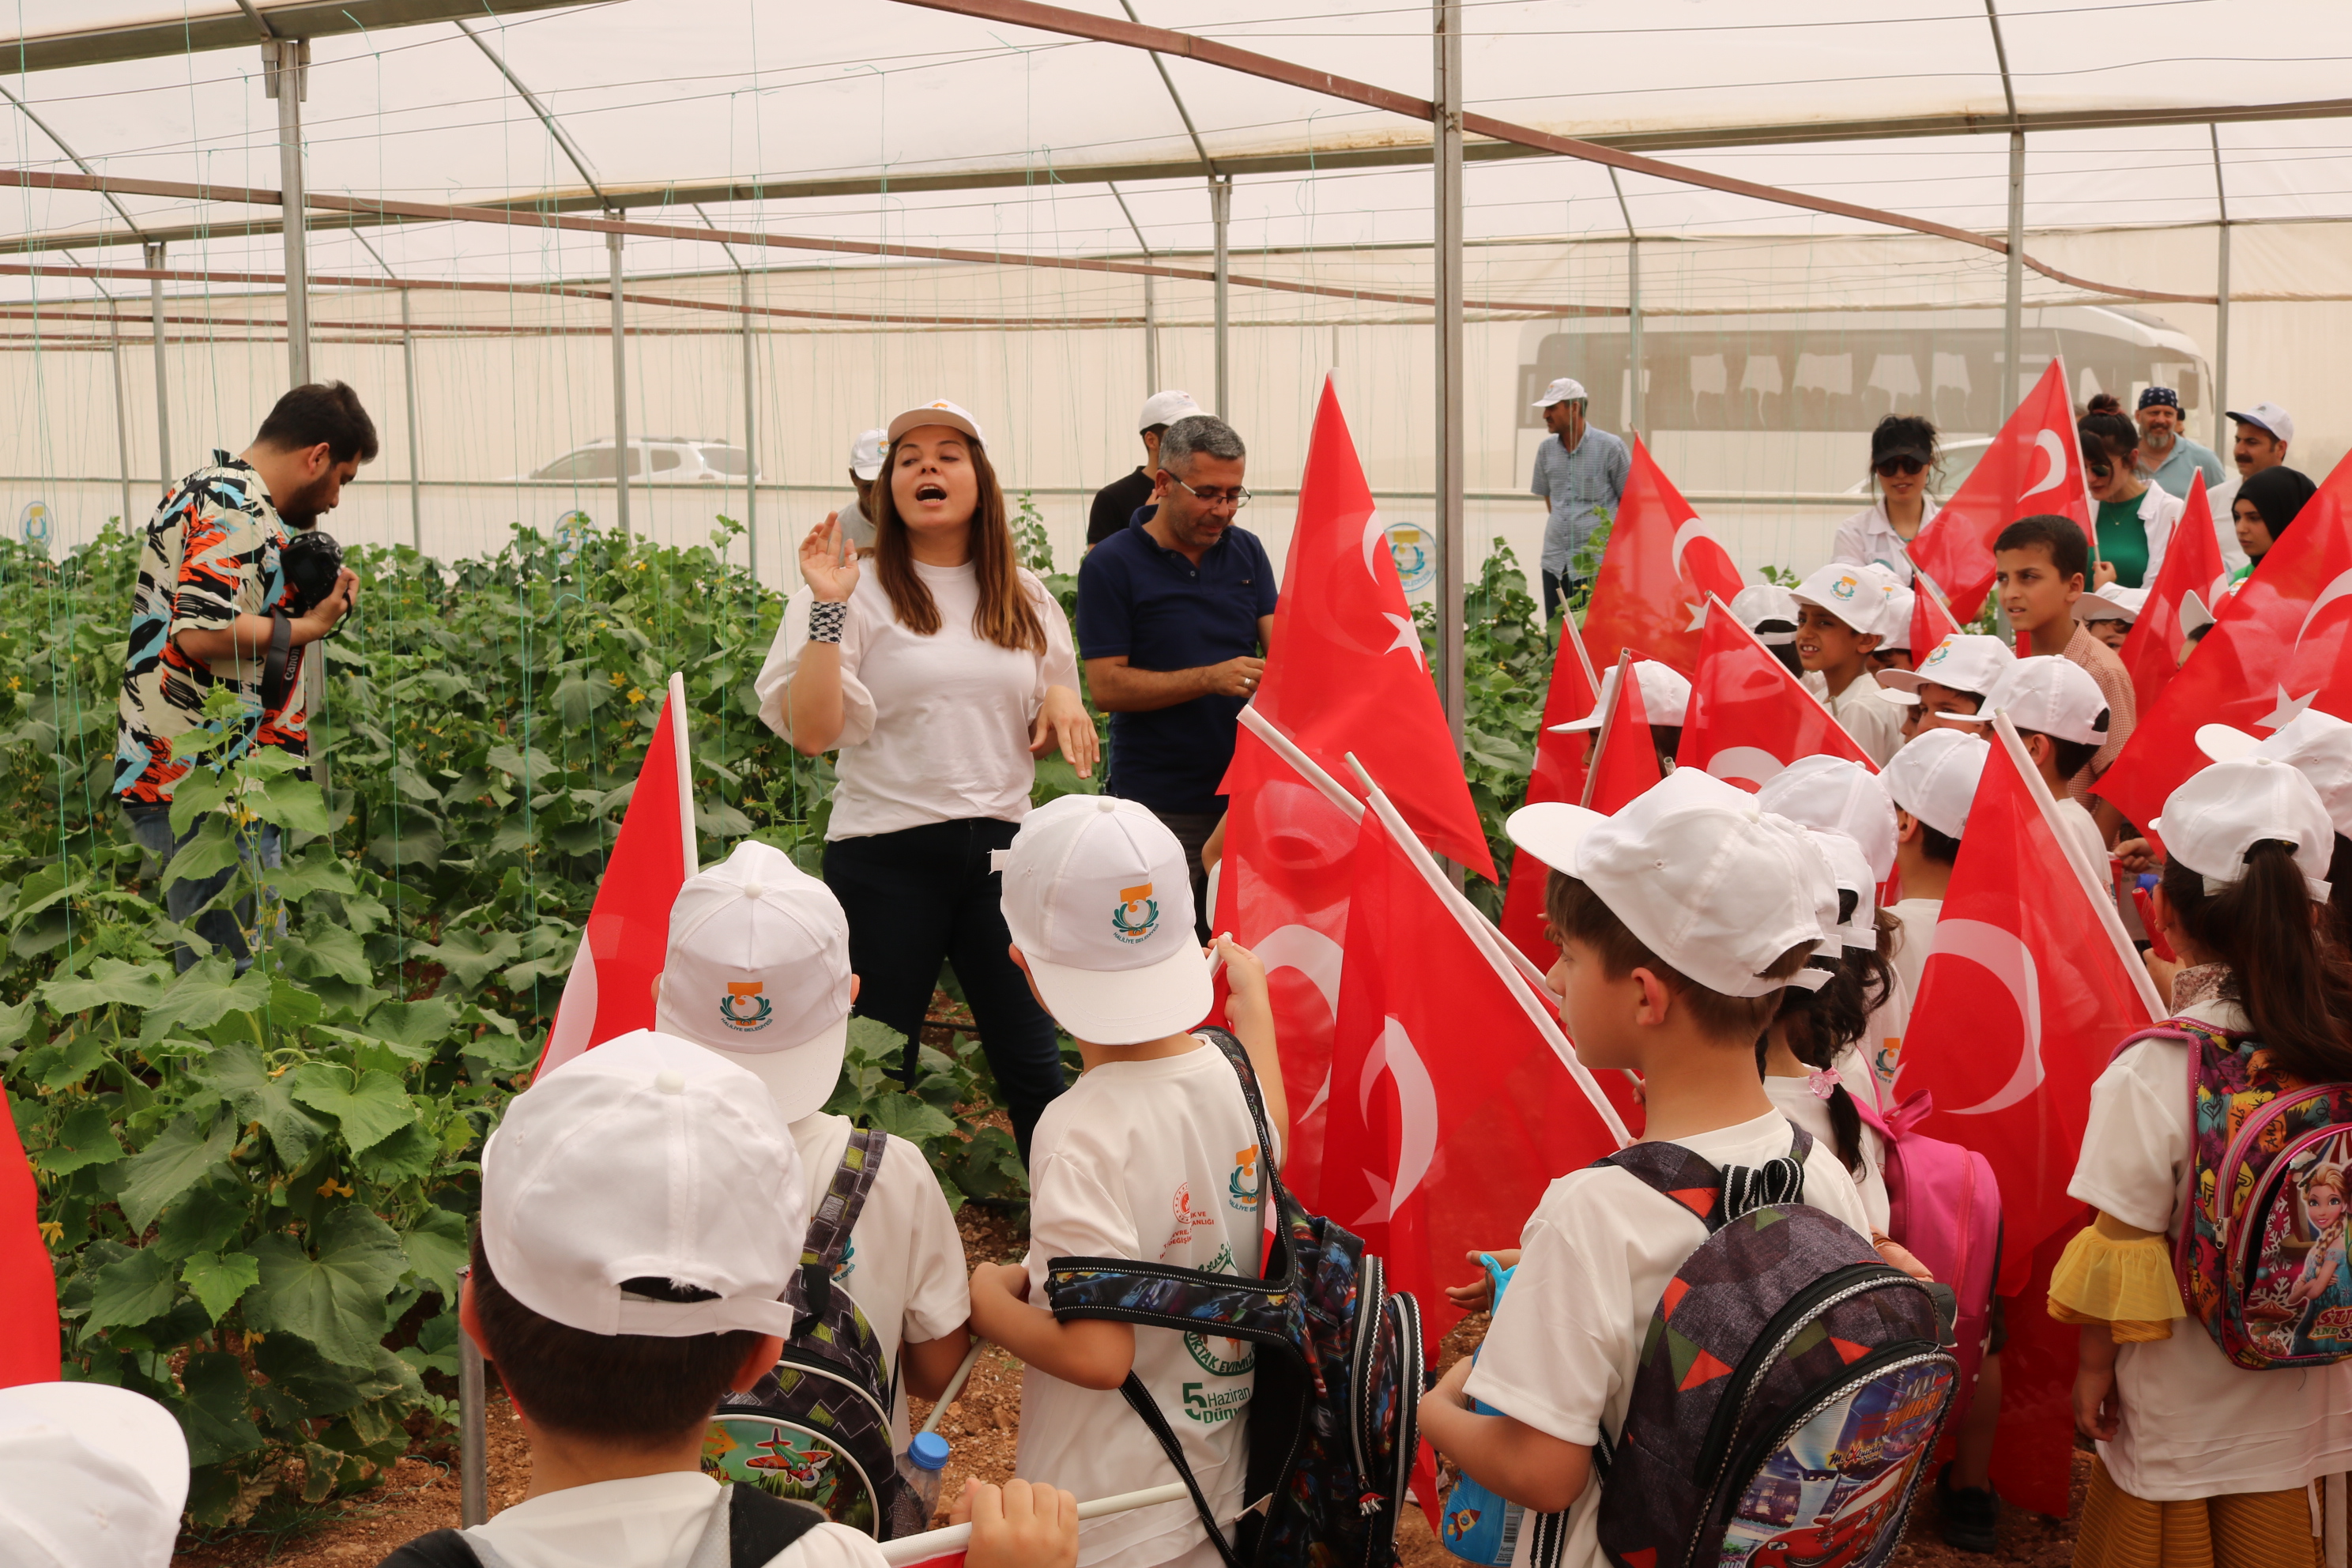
[(2198, 1455)]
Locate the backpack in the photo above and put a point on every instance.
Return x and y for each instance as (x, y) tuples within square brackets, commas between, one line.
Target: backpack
[(1944, 1205), (748, 1529), (817, 1428), (1332, 1431), (2270, 1280), (1789, 1392)]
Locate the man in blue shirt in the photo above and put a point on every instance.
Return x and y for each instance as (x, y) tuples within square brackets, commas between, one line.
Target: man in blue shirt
[(2167, 456), (1174, 614), (1579, 472)]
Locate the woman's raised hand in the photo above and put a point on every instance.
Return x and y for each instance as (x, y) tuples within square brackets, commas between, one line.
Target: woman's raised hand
[(828, 564)]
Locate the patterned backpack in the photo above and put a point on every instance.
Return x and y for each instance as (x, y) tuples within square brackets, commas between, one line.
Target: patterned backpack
[(1333, 1427), (817, 1428), (2262, 1257), (1789, 1391)]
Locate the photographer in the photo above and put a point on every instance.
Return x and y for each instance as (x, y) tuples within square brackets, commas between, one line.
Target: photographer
[(234, 585)]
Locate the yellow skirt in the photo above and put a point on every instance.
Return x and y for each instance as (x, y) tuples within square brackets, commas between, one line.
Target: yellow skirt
[(2245, 1530)]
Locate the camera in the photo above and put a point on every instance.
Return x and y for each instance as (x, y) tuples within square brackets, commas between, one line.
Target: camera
[(311, 560)]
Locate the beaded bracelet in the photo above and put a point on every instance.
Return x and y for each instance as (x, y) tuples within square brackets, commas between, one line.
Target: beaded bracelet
[(826, 621)]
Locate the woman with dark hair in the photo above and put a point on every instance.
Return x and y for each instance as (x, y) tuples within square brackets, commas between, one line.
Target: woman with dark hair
[(1902, 460), (2135, 516), (941, 670), (2267, 500)]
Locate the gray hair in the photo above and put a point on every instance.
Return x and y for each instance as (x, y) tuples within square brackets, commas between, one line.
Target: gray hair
[(1199, 434)]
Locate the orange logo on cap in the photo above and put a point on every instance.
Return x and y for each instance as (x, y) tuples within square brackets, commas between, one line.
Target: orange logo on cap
[(739, 992), (1137, 914)]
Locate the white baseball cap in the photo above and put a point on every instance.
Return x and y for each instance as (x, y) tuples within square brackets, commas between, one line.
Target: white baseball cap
[(2316, 745), (1703, 876), (1963, 661), (1849, 875), (1837, 796), (1165, 408), (758, 970), (2270, 416), (866, 454), (2224, 810), (1099, 901), (1665, 696), (1846, 592), (940, 411), (1933, 777), (1760, 601), (1567, 389), (2112, 602), (647, 1158), (95, 1476), (1895, 621), (2049, 695)]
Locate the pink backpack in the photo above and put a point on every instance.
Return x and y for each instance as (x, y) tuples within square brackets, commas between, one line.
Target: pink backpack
[(1945, 1205)]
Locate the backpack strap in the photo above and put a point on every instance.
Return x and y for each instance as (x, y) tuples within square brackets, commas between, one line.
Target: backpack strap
[(2189, 1031), (1140, 1398), (1716, 1196), (837, 1215), (1278, 1207), (441, 1549), (759, 1528)]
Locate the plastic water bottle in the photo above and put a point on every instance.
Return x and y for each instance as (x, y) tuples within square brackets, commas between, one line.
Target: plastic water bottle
[(920, 1468)]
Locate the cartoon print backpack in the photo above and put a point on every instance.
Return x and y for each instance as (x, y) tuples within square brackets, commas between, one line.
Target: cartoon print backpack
[(1944, 1205), (1332, 1428), (1789, 1391), (817, 1428), (2260, 1257), (1478, 1525)]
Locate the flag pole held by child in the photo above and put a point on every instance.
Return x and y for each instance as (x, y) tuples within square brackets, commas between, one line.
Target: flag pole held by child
[(945, 1548)]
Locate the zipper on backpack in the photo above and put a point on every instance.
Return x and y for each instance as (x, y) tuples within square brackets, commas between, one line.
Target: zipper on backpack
[(2278, 1105), (1370, 1287)]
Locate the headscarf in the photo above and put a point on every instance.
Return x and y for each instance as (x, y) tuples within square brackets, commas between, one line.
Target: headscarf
[(2276, 496)]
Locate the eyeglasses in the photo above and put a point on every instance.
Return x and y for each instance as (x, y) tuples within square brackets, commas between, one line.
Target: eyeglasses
[(1888, 468), (1236, 498)]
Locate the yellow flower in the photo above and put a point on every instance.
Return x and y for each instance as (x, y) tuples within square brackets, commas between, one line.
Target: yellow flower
[(52, 1231), (635, 695), (619, 680), (14, 684), (332, 1188)]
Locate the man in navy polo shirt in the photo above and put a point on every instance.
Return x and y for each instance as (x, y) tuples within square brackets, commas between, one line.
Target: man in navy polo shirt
[(1173, 618)]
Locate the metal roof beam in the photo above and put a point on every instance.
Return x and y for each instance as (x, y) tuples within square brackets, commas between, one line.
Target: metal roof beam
[(579, 162), (232, 27)]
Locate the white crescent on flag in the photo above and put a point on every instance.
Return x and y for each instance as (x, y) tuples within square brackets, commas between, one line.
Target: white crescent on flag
[(1417, 1110), (2290, 706), (2053, 446), (1746, 766), (2004, 956)]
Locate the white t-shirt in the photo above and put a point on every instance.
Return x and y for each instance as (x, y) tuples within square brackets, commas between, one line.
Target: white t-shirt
[(2084, 841), (1912, 942), (1795, 1100), (904, 1264), (2193, 1425), (1157, 1160), (1875, 724), (1869, 536), (1594, 1261), (645, 1521), (933, 729)]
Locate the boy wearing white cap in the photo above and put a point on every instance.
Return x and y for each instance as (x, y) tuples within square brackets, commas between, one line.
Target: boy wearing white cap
[(1951, 681), (1580, 471), (1770, 611), (1116, 504), (91, 1475), (1839, 609), (857, 519), (1680, 921), (758, 970), (1665, 701), (641, 1213), (1151, 1155), (2062, 717), (1933, 782)]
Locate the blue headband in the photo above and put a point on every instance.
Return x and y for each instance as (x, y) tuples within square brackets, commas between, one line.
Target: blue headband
[(2159, 397)]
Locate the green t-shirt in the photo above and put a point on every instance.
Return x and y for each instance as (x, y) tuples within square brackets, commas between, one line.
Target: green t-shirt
[(2123, 539)]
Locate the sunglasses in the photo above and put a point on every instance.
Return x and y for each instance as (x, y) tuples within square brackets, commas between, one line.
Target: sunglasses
[(1889, 466), (2100, 470)]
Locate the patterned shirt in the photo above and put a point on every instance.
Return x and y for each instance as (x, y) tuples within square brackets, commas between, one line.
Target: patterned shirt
[(210, 555), (1577, 485)]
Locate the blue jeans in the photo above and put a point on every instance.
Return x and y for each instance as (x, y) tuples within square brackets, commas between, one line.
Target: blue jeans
[(228, 930)]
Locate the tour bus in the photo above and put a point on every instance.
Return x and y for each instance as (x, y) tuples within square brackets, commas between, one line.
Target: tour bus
[(1781, 404)]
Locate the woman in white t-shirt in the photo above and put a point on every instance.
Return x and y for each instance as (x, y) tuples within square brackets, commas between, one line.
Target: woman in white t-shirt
[(941, 670), (1902, 460)]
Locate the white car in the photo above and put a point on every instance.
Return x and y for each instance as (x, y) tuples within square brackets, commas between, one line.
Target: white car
[(652, 459)]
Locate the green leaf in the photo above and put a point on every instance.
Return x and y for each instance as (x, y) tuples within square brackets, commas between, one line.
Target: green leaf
[(217, 1280), (79, 1056), (213, 850), (904, 1116), (131, 1292), (317, 871), (85, 1138), (315, 1385), (237, 1074), (180, 1156), (205, 995), (198, 792), (412, 847), (404, 1156), (206, 1220), (414, 1028), (335, 1299), (369, 1108), (438, 1247), (332, 949), (292, 804), (470, 955), (16, 1020), (212, 1409), (110, 981)]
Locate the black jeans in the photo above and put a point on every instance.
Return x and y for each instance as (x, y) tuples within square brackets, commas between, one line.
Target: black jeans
[(925, 895)]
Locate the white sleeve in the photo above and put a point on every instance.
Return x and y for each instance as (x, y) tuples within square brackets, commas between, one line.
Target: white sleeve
[(773, 683), (1848, 547), (1073, 1215), (1552, 1355), (1060, 665), (2160, 530), (2133, 1145), (939, 1284)]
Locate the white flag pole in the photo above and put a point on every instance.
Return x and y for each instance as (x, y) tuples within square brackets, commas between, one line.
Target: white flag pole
[(955, 1538), (2103, 899), (1610, 697), (685, 767), (1575, 634), (1490, 943)]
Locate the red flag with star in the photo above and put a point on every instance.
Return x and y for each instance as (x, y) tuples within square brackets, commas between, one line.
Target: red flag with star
[(1650, 595), (1346, 672), (2281, 645), (1748, 717), (2032, 466), (1559, 775)]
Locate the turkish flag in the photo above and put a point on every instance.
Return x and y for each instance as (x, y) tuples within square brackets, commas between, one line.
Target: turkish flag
[(29, 1281), (1625, 764), (1282, 892), (2280, 647), (1345, 672), (1748, 717), (2034, 466), (2192, 561), (1931, 618), (2010, 1063), (1559, 775), (610, 990), (1650, 595), (2033, 1449), (1450, 1111)]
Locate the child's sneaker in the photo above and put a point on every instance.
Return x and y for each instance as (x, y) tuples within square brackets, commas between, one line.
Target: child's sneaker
[(1971, 1515)]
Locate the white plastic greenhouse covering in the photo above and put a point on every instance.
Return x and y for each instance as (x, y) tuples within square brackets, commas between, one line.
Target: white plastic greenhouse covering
[(1773, 334)]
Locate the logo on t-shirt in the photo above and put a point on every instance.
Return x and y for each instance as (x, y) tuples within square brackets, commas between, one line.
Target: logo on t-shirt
[(1242, 1186), (1137, 916), (743, 994), (1189, 1220)]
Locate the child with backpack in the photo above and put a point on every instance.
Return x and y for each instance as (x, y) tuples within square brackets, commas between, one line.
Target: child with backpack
[(1153, 1155), (1633, 1345), (758, 970), (641, 1213), (2214, 1402)]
